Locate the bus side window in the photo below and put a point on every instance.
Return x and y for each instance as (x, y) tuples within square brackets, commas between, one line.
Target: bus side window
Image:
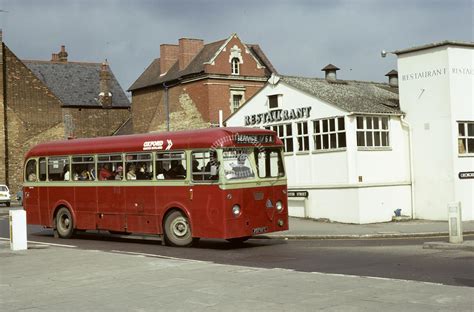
[(58, 169), (138, 166), (170, 166), (30, 172), (82, 167), (205, 166), (108, 167)]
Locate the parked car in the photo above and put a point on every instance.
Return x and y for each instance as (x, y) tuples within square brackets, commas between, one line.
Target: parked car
[(5, 195)]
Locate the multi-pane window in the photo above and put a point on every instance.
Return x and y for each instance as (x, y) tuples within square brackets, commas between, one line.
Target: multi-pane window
[(372, 131), (302, 136), (235, 66), (466, 137), (58, 169), (138, 167), (205, 166), (329, 133), (236, 100), (171, 166), (110, 167), (285, 133), (82, 166)]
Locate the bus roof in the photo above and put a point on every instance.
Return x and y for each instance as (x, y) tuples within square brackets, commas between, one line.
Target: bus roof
[(159, 141)]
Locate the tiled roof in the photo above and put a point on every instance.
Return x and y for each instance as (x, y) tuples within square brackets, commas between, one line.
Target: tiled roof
[(151, 75), (351, 96), (468, 44), (76, 83)]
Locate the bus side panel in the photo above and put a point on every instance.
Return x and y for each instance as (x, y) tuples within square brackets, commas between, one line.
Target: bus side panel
[(85, 207), (140, 209), (110, 208), (53, 196), (207, 208), (31, 204)]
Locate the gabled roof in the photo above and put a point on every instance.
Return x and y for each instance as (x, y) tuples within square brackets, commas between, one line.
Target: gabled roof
[(76, 83), (151, 75), (351, 96)]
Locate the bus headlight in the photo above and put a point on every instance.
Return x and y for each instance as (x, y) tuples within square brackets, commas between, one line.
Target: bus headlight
[(279, 206), (236, 210)]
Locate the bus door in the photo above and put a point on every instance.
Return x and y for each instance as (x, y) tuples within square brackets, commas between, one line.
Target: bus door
[(31, 193), (140, 206), (110, 196)]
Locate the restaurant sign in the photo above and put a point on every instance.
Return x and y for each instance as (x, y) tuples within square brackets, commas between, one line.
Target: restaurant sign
[(277, 115)]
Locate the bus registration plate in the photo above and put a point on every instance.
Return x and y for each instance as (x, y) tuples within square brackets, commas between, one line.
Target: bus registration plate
[(260, 230)]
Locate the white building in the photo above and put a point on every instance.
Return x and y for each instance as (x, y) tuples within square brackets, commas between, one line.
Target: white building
[(352, 152), (436, 93)]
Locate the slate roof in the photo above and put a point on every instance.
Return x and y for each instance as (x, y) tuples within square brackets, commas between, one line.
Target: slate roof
[(151, 75), (76, 83), (468, 44), (349, 95)]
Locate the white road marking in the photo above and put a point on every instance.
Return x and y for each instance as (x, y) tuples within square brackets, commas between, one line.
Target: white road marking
[(157, 256), (377, 278), (42, 243)]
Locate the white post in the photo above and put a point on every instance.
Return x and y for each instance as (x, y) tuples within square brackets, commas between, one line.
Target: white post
[(220, 118), (18, 230), (455, 222)]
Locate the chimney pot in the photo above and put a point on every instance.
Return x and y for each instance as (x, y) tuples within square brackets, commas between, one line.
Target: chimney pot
[(392, 78), (330, 72), (62, 55), (105, 97)]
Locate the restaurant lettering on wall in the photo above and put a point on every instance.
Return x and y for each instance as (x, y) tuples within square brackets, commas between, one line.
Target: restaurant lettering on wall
[(278, 115)]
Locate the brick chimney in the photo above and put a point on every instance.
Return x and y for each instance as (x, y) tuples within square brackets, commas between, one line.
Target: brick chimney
[(54, 57), (105, 97), (168, 56), (330, 72), (62, 55), (392, 78), (188, 49)]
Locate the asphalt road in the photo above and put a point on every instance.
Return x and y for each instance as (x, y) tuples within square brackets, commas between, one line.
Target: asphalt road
[(388, 258)]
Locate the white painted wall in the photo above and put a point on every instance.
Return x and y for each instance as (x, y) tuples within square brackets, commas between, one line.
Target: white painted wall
[(331, 177), (433, 104)]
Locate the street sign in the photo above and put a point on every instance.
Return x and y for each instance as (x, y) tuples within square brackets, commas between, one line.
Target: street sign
[(304, 194), (466, 175)]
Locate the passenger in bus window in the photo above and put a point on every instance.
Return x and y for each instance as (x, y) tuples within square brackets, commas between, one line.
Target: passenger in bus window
[(32, 177), (84, 176), (131, 175), (177, 170), (142, 173), (118, 173), (105, 172), (66, 173), (197, 172)]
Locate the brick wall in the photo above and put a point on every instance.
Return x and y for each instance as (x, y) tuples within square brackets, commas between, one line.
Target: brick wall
[(95, 122), (33, 115)]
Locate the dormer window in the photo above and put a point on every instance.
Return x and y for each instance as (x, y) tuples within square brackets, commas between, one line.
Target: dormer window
[(274, 101), (235, 63)]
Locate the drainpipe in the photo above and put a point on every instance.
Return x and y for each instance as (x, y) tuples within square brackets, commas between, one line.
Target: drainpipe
[(412, 184), (167, 107)]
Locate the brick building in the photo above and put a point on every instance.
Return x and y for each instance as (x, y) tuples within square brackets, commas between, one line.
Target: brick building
[(50, 100), (192, 81)]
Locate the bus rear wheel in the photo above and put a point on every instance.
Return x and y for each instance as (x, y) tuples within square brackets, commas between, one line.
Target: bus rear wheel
[(64, 223), (178, 230)]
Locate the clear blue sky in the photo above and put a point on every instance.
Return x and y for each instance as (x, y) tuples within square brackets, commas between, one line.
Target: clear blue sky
[(299, 36)]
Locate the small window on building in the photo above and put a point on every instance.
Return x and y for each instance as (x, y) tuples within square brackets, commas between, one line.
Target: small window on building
[(372, 131), (236, 101), (329, 133), (466, 138), (235, 66), (302, 136), (285, 133), (274, 101)]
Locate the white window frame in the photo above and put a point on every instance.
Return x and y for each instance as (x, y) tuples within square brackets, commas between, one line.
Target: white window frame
[(466, 138), (303, 136), (282, 132), (329, 132), (279, 101), (236, 92), (372, 131), (235, 66)]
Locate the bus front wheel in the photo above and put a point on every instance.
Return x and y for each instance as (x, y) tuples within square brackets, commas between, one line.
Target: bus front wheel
[(178, 230), (64, 223)]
